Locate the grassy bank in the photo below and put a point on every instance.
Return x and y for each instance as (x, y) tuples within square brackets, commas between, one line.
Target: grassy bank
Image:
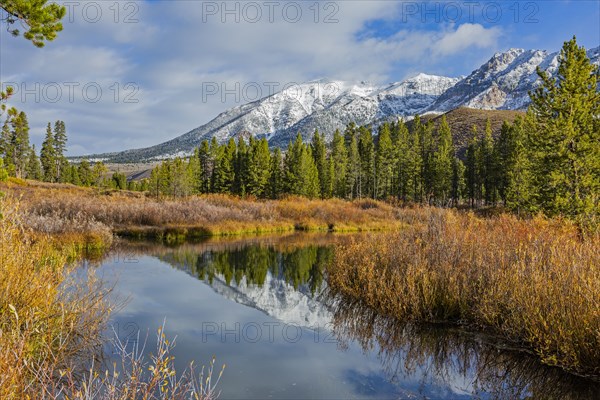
[(533, 282), (63, 210), (49, 321), (52, 322)]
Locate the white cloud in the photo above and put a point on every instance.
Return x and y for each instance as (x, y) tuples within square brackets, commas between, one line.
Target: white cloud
[(466, 36), (170, 53)]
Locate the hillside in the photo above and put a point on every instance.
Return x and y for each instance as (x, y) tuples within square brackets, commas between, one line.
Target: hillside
[(462, 119)]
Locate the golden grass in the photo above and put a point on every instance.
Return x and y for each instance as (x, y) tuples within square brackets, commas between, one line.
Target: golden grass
[(49, 320), (64, 209), (533, 282)]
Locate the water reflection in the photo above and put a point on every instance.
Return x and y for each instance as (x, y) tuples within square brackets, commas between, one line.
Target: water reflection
[(284, 277), (297, 259), (477, 363)]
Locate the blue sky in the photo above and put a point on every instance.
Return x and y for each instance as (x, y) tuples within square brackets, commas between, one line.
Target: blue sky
[(131, 74)]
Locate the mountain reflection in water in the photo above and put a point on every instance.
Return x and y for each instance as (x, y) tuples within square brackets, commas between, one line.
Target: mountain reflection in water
[(285, 277)]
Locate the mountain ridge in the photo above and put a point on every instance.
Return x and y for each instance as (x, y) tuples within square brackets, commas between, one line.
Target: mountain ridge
[(501, 83)]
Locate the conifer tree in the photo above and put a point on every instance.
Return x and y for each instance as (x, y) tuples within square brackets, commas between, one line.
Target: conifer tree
[(292, 166), (98, 174), (276, 174), (487, 165), (85, 173), (154, 183), (19, 142), (366, 150), (60, 145), (565, 140), (6, 143), (403, 156), (385, 162), (119, 181), (353, 169), (206, 158), (224, 174), (75, 180), (517, 169), (194, 172), (258, 170), (442, 164), (472, 179), (47, 156), (41, 20), (34, 170), (309, 175), (458, 181), (415, 162), (241, 166), (339, 159), (319, 153)]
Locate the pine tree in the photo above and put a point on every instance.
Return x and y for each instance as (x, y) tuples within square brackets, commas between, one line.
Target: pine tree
[(426, 141), (415, 162), (319, 153), (98, 175), (119, 181), (309, 175), (6, 144), (487, 165), (301, 175), (339, 159), (458, 181), (47, 156), (224, 174), (517, 168), (292, 166), (472, 179), (565, 140), (85, 173), (276, 174), (206, 166), (75, 175), (194, 172), (403, 156), (60, 145), (34, 170), (19, 142), (442, 164), (154, 183), (353, 169), (385, 161), (241, 166), (505, 147), (366, 151), (259, 168)]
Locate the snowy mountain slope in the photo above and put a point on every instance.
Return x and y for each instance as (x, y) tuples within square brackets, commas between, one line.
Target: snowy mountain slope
[(502, 83), (277, 299)]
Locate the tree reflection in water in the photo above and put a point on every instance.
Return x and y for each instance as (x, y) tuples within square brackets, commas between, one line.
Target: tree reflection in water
[(450, 355), (476, 363)]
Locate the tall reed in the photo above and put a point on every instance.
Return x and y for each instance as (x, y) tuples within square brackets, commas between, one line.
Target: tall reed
[(534, 282)]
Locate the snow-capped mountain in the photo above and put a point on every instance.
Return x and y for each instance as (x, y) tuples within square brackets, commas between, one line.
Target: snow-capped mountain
[(503, 82), (277, 299)]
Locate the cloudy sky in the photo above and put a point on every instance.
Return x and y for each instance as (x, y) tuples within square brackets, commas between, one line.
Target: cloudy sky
[(130, 74)]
